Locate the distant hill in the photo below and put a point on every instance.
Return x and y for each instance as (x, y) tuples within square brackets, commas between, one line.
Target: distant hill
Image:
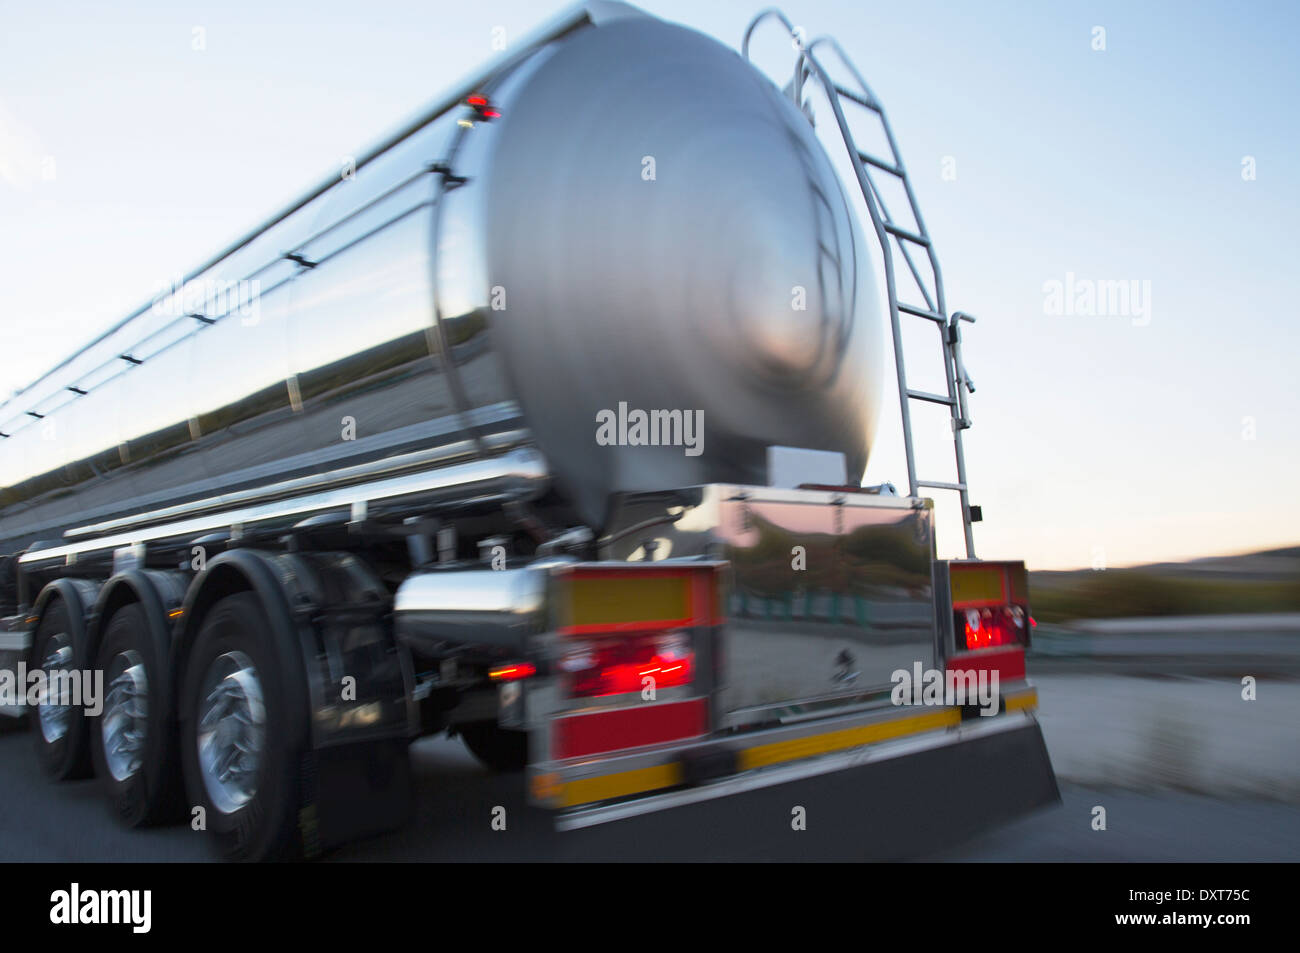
[(1266, 581)]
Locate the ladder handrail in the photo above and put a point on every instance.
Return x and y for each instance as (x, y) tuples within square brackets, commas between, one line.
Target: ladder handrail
[(957, 382), (940, 304)]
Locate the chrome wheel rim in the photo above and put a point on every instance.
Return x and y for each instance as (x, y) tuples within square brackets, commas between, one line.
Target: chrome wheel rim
[(231, 731), (126, 713), (54, 717)]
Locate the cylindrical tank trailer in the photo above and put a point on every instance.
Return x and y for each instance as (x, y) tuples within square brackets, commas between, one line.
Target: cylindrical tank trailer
[(627, 251), (475, 438)]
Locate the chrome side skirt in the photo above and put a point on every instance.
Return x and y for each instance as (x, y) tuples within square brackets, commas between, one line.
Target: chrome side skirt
[(386, 467), (518, 474)]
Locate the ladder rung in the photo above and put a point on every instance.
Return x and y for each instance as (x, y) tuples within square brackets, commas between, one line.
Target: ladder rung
[(906, 235), (854, 97), (922, 312), (936, 485), (889, 167), (932, 398)]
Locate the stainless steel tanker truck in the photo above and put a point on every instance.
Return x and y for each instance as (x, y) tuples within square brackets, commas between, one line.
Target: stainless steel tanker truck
[(543, 424)]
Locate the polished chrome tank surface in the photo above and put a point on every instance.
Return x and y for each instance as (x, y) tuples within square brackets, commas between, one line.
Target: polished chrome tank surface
[(671, 236), (648, 225)]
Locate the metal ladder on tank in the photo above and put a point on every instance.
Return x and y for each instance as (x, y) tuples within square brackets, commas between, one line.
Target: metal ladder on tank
[(890, 233)]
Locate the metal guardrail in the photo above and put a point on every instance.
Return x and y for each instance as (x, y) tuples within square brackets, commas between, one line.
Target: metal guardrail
[(1263, 644)]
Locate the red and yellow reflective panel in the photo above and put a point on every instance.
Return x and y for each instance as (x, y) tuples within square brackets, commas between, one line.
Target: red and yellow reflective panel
[(596, 599)]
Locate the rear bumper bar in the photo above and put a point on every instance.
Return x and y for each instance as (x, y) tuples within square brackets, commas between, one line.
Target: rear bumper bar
[(909, 798), (595, 791), (796, 771)]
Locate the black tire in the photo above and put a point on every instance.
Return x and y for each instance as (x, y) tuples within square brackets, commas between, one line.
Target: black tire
[(266, 826), (67, 757), (499, 748), (152, 794)]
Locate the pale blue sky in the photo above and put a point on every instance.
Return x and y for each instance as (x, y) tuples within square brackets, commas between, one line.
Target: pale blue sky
[(1094, 439)]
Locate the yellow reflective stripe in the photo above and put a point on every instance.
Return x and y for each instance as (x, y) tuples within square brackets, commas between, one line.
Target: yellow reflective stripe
[(614, 600), (977, 584), (624, 783), (1021, 700), (621, 784), (779, 751)]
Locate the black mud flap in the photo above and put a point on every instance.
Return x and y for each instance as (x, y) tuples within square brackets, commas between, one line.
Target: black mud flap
[(896, 809), (356, 790)]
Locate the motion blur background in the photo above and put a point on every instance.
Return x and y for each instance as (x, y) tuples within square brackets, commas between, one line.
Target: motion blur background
[(1154, 143), (135, 140)]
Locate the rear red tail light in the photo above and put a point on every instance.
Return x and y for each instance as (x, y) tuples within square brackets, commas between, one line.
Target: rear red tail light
[(990, 627), (620, 666), (990, 602)]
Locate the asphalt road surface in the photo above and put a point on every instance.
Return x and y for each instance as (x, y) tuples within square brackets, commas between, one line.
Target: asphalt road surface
[(70, 822)]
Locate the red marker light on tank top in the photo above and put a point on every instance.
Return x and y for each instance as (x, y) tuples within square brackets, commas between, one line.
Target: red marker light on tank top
[(481, 106)]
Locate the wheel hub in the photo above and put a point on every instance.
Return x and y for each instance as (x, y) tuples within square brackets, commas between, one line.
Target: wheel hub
[(232, 731), (126, 713), (53, 716)]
